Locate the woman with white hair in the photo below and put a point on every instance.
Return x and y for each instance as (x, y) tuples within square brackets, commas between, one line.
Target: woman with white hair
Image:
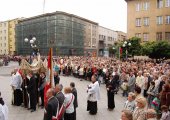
[(139, 112), (151, 114)]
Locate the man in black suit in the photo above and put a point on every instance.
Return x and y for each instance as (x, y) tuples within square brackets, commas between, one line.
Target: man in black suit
[(52, 105), (59, 95), (111, 86), (56, 78), (75, 103), (31, 88)]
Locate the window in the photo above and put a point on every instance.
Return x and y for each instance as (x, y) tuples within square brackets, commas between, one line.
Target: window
[(138, 22), (4, 44), (159, 20), (138, 6), (4, 38), (159, 3), (145, 5), (167, 3), (167, 36), (167, 19), (4, 31), (159, 36), (146, 21), (145, 36), (138, 35)]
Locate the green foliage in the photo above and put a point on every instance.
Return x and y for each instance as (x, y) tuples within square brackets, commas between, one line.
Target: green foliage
[(161, 49), (148, 47), (135, 48), (112, 50)]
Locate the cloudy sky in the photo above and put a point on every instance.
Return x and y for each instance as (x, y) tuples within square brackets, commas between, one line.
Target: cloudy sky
[(108, 13)]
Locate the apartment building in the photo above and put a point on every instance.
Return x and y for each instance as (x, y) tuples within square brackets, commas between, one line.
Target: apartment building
[(11, 36), (4, 49), (121, 36), (148, 19), (107, 37)]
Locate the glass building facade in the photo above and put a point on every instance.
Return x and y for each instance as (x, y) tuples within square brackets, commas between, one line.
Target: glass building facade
[(62, 31)]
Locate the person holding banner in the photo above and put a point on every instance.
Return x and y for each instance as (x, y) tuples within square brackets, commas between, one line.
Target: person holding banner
[(52, 107)]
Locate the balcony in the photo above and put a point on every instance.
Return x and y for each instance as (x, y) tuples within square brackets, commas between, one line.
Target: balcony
[(101, 46)]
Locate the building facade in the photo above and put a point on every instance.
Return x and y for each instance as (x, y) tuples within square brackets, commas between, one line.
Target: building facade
[(68, 34), (4, 47), (148, 19), (107, 37), (11, 36), (121, 36)]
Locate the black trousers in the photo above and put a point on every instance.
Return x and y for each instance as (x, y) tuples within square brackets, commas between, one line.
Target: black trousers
[(25, 98), (68, 116), (111, 101), (92, 107), (18, 98), (74, 114), (145, 93), (42, 97), (33, 101)]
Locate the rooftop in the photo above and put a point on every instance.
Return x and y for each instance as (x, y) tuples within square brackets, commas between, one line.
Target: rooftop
[(58, 12)]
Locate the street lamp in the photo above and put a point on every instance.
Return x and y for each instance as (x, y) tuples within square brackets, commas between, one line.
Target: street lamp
[(32, 45), (113, 48), (126, 45)]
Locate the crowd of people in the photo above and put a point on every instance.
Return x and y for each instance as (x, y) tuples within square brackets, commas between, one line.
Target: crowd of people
[(146, 84)]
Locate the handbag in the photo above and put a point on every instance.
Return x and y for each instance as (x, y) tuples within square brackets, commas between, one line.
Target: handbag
[(59, 114)]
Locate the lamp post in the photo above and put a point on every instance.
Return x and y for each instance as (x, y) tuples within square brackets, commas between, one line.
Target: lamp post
[(32, 45), (113, 48), (126, 45)]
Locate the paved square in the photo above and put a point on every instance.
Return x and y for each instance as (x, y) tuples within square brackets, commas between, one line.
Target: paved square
[(21, 113)]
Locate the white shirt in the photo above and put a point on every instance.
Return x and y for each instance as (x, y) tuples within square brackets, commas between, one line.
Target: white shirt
[(2, 117), (140, 81), (68, 98), (3, 112), (16, 81), (94, 92)]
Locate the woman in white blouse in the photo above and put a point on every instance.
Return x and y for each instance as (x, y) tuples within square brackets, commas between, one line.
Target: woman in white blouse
[(68, 103)]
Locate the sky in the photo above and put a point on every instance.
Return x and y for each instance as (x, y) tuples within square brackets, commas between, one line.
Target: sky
[(111, 14)]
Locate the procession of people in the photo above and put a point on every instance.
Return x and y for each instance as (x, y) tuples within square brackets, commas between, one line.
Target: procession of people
[(145, 83)]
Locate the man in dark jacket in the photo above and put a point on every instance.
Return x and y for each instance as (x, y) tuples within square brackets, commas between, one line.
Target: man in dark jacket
[(31, 88), (59, 95), (52, 105), (41, 86), (75, 103), (111, 86), (56, 78)]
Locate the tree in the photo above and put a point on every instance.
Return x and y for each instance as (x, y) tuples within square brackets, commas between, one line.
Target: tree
[(135, 48), (160, 50), (112, 50), (147, 48)]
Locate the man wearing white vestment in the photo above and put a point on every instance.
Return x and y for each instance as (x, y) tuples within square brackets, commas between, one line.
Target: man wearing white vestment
[(16, 87), (93, 96)]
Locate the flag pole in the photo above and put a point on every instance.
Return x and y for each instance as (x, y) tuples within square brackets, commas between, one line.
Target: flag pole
[(43, 6), (51, 66)]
